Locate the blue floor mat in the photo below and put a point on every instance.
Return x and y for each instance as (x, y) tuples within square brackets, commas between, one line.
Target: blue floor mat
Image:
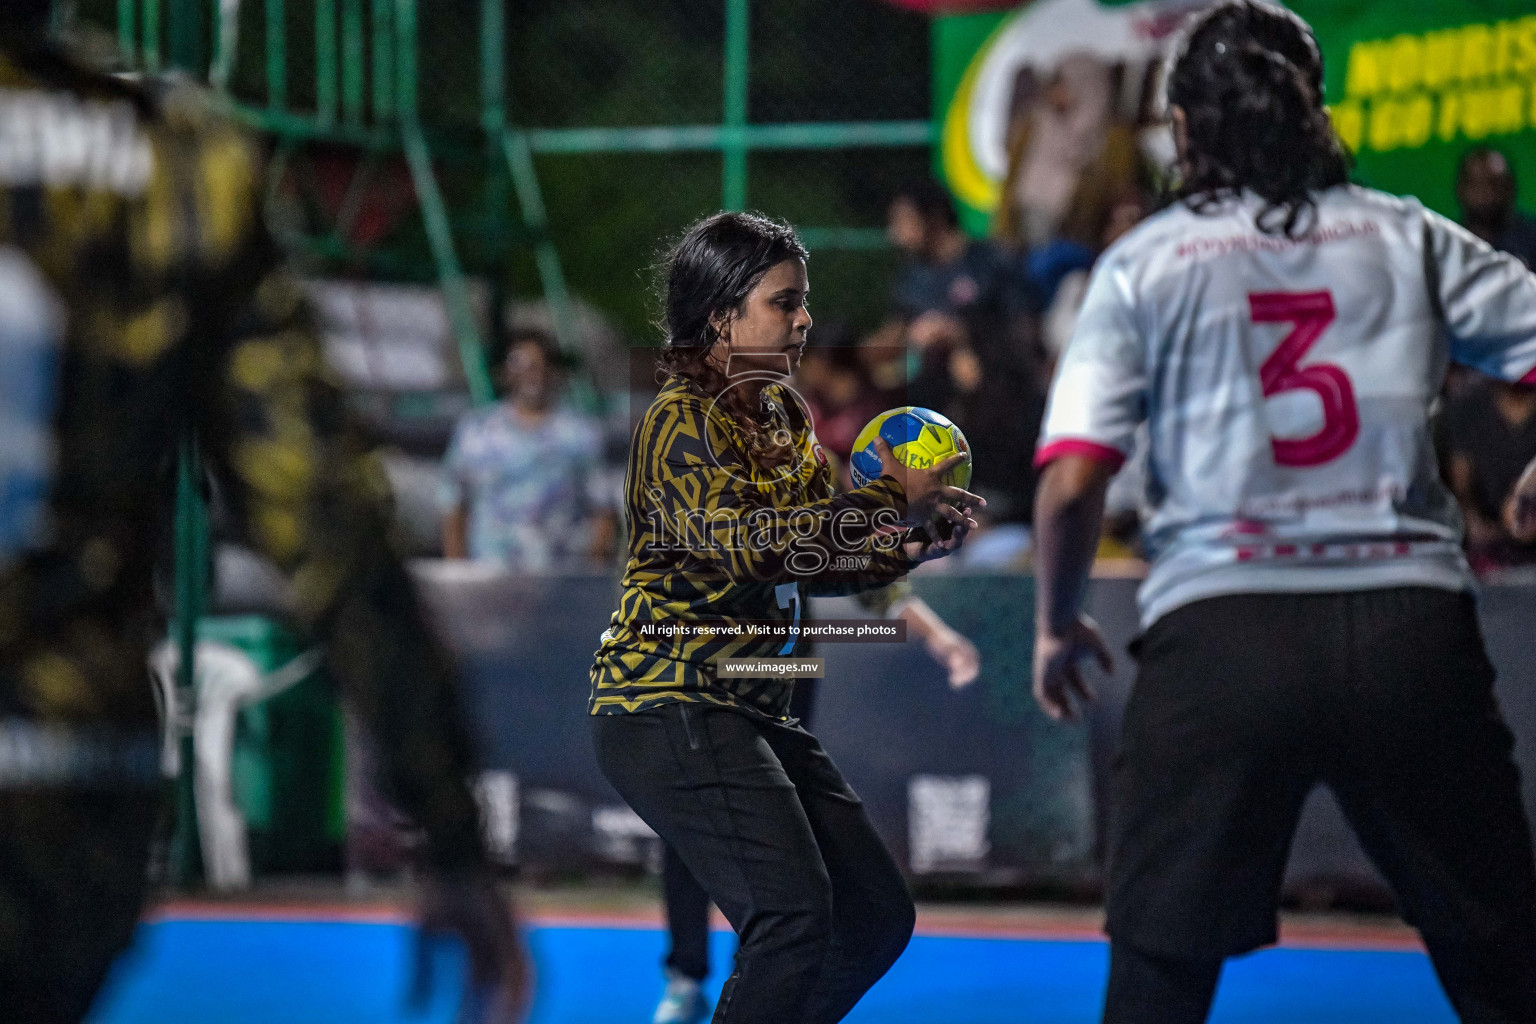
[(298, 972)]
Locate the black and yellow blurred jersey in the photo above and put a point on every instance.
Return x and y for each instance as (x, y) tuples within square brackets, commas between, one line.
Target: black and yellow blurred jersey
[(140, 297), (716, 535)]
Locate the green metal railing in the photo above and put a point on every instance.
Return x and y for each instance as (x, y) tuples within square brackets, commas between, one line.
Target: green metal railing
[(363, 43)]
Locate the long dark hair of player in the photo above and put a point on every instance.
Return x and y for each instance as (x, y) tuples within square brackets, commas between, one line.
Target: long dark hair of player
[(705, 281), (1249, 78)]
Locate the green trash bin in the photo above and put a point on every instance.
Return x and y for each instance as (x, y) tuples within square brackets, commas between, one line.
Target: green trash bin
[(289, 773)]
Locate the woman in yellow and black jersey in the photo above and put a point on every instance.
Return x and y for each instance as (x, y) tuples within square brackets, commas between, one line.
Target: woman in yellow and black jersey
[(733, 520)]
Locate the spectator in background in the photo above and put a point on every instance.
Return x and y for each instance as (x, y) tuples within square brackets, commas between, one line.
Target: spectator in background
[(1070, 161), (1485, 190), (1490, 437), (522, 477), (972, 321), (1488, 432)]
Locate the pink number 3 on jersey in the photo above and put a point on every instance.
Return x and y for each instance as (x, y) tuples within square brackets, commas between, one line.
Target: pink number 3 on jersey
[(1309, 313)]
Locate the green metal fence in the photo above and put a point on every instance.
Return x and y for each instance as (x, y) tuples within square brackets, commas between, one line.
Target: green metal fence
[(346, 73)]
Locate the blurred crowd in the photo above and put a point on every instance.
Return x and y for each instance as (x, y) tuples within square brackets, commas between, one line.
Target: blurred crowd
[(973, 330)]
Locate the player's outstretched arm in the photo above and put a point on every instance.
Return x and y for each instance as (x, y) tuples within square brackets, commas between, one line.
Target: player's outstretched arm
[(1069, 514)]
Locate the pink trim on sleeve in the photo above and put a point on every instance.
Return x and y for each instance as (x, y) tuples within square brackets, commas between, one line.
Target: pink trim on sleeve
[(1529, 378), (1077, 446)]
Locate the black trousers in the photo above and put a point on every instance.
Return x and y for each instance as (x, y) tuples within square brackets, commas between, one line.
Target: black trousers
[(1243, 704), (72, 880), (760, 815), (687, 903)]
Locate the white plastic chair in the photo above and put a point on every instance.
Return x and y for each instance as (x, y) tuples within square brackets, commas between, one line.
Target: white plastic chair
[(225, 679)]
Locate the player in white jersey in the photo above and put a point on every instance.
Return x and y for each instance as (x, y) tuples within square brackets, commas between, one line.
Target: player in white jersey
[(1307, 618)]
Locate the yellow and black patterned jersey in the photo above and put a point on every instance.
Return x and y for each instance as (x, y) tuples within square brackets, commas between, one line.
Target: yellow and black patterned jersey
[(140, 297), (715, 534)]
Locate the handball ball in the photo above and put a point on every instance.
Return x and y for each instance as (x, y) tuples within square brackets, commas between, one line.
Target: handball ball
[(918, 437)]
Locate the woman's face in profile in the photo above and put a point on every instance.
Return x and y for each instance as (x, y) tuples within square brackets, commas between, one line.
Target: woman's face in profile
[(770, 331)]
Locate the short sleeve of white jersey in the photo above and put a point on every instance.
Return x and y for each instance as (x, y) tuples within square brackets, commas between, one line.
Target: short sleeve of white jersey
[(1488, 300), (1098, 398)]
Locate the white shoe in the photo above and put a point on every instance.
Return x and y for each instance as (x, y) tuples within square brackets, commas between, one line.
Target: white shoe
[(682, 1002)]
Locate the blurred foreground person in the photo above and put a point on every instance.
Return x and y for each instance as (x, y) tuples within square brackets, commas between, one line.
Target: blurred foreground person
[(140, 296), (1308, 617)]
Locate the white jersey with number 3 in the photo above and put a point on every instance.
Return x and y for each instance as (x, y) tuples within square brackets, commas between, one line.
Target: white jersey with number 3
[(1288, 386)]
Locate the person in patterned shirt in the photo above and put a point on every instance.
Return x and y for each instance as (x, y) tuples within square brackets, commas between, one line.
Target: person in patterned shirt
[(522, 478), (141, 298), (733, 520)]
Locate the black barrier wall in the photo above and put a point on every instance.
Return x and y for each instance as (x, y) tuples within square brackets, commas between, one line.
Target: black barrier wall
[(973, 787)]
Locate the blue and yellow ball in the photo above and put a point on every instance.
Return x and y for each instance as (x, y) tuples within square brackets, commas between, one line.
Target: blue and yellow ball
[(918, 437)]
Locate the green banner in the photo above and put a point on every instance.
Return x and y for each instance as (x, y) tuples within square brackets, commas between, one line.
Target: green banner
[(960, 42), (1412, 84)]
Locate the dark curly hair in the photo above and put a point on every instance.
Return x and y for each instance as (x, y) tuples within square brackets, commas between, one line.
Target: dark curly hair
[(1249, 77), (704, 282)]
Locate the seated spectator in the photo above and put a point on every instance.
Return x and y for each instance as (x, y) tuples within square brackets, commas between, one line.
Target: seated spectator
[(971, 320), (522, 477), (1490, 437), (1485, 190)]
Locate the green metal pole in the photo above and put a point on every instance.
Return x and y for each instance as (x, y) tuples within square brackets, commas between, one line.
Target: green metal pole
[(277, 56), (546, 257), (434, 211), (406, 82), (186, 36), (325, 62), (493, 67), (192, 542), (126, 37), (698, 138), (738, 20), (844, 239), (495, 195), (226, 36), (383, 60), (352, 67), (525, 179), (152, 36)]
